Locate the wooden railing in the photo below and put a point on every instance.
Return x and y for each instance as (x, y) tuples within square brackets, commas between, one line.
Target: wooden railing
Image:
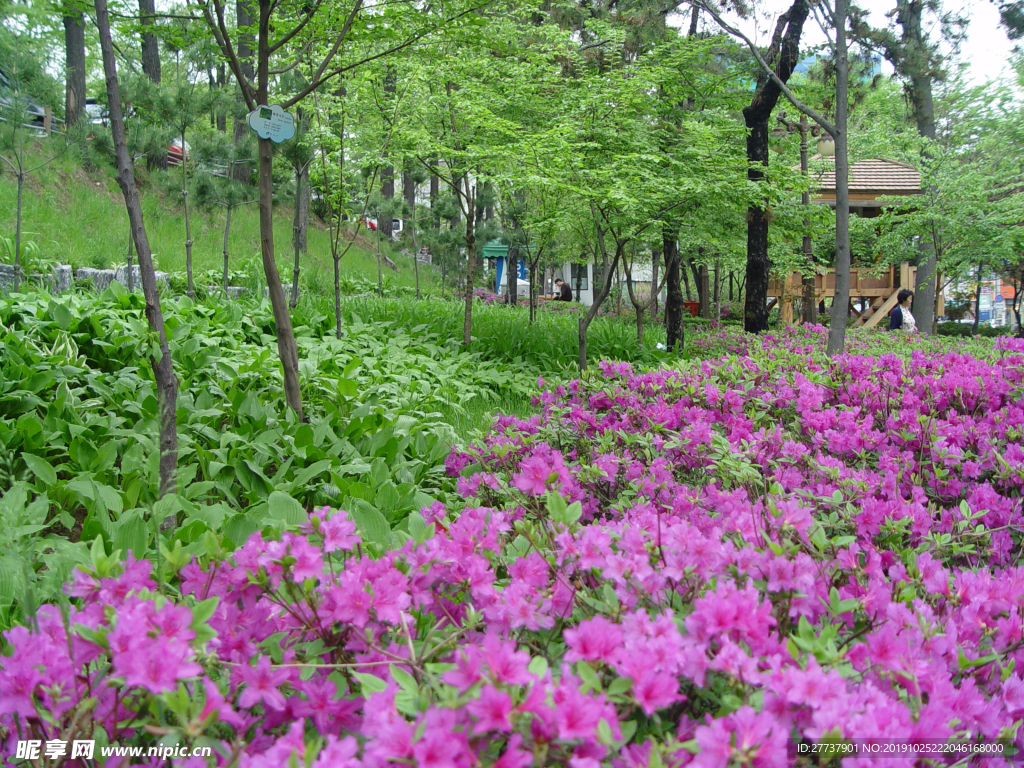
[(864, 283)]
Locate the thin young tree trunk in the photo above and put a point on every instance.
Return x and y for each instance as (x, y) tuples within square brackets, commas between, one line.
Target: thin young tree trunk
[(841, 299), (131, 276), (513, 274), (977, 304), (227, 229), (287, 349), (655, 259), (188, 222), (380, 271), (533, 289), (470, 198), (163, 371), (608, 272), (17, 231), (300, 220)]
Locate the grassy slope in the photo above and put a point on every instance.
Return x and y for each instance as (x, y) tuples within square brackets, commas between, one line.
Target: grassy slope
[(78, 218)]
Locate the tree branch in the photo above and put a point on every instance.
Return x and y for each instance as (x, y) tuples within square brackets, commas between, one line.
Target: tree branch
[(769, 71), (297, 28), (298, 59), (318, 79), (223, 38), (321, 77)]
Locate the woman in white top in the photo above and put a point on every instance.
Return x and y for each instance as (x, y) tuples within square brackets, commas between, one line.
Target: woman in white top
[(901, 319)]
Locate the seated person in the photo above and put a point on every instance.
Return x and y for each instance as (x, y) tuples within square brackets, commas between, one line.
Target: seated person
[(565, 292)]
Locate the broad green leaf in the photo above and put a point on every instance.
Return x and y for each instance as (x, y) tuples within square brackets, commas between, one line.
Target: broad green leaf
[(41, 468)]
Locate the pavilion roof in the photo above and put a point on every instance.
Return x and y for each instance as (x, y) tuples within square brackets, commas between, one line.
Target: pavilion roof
[(875, 176)]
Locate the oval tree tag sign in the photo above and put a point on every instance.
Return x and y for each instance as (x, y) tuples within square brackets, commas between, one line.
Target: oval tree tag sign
[(272, 123)]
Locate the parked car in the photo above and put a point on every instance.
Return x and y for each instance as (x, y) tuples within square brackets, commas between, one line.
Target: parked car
[(35, 113), (174, 152), (396, 227), (96, 112)]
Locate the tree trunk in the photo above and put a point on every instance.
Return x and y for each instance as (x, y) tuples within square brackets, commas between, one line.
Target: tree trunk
[(300, 223), (380, 269), (150, 45), (287, 349), (470, 198), (783, 55), (188, 222), (1018, 290), (241, 169), (409, 192), (17, 234), (513, 274), (434, 192), (685, 264), (227, 229), (841, 299), (655, 259), (607, 273), (916, 64), (337, 291), (131, 252), (977, 303), (74, 63), (674, 308), (718, 288), (704, 291), (163, 370), (533, 289), (222, 118)]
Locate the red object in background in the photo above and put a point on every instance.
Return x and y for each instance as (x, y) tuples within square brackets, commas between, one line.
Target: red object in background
[(693, 306), (174, 152)]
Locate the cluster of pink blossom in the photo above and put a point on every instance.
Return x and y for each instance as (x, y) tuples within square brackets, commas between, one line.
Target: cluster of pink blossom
[(697, 567)]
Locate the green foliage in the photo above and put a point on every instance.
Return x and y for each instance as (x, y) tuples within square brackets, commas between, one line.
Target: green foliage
[(502, 333), (966, 330), (78, 423)]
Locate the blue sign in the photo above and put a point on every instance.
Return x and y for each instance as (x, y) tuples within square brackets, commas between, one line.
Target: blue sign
[(984, 315), (521, 273)]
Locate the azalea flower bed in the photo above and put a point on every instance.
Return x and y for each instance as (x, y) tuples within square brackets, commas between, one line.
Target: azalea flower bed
[(666, 568)]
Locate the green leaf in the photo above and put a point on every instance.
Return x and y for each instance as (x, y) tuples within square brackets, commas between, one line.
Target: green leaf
[(132, 534), (588, 676), (538, 666), (372, 524), (369, 683), (405, 681), (619, 686), (41, 468), (283, 507)]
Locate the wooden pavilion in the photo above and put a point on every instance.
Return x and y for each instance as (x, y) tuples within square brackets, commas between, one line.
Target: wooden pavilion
[(869, 181)]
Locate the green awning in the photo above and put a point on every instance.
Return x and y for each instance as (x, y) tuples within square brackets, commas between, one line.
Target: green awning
[(495, 249)]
